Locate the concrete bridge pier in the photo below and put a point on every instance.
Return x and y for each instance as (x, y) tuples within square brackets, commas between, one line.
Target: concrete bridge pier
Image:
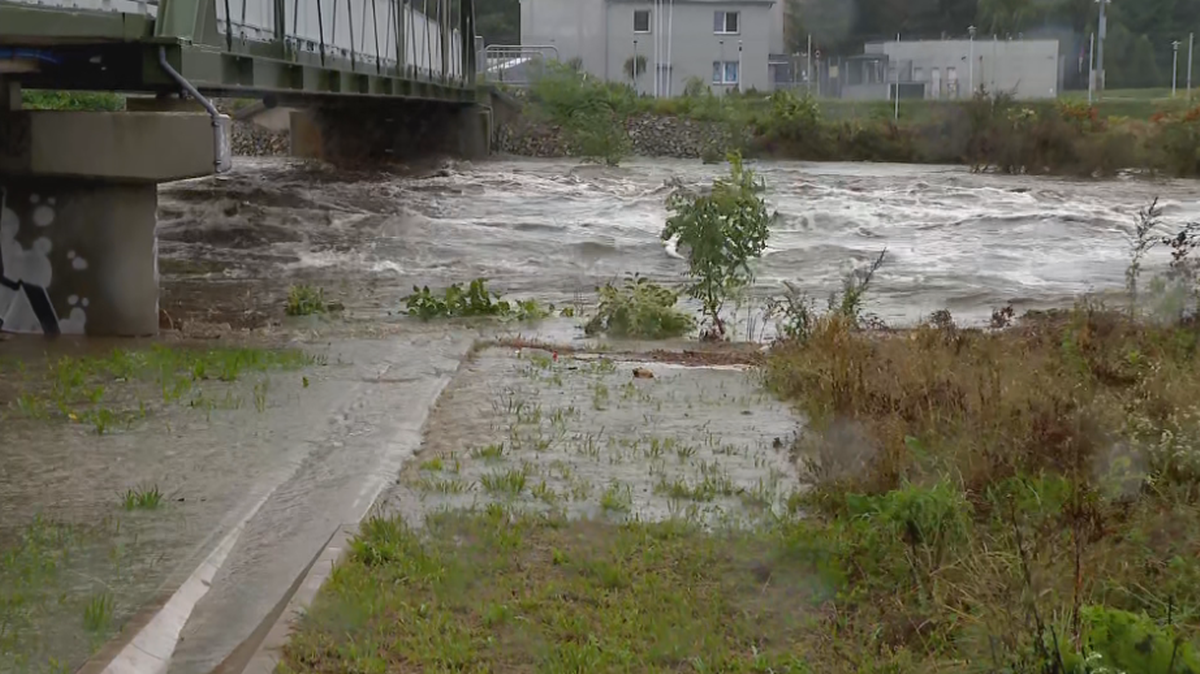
[(78, 208), (411, 130)]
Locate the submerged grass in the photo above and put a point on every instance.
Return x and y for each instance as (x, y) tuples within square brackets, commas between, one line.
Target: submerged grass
[(40, 576), (113, 391)]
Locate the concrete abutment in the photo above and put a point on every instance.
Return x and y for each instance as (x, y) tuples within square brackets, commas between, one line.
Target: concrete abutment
[(78, 210), (79, 257)]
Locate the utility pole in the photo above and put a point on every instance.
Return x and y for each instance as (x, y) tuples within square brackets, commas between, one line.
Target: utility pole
[(656, 26), (1092, 69), (897, 77), (1174, 67), (808, 69), (670, 43), (1102, 29), (971, 62), (1191, 48)]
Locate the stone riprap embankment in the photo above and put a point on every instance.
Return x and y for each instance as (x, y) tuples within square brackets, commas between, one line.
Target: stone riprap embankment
[(525, 135), (650, 136)]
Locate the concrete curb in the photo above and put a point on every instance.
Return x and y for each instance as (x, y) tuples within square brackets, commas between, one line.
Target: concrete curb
[(149, 650), (267, 647), (267, 653)]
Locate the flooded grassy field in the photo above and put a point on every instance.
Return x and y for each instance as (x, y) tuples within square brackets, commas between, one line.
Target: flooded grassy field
[(588, 435)]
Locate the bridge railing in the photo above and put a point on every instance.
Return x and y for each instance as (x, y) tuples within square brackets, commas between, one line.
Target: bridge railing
[(302, 46), (419, 37)]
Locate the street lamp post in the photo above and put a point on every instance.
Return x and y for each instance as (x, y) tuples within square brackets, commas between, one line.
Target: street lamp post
[(1174, 67), (971, 31)]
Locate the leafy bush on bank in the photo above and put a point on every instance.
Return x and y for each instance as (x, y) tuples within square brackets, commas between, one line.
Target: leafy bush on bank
[(639, 309), (988, 132), (476, 300)]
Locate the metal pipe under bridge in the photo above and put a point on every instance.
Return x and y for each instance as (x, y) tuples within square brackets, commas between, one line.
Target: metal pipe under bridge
[(78, 196)]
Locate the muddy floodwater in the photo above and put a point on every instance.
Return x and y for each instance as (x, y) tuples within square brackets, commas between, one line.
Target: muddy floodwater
[(554, 230), (256, 474)]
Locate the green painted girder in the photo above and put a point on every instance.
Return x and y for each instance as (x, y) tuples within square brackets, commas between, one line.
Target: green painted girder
[(39, 25), (222, 73)]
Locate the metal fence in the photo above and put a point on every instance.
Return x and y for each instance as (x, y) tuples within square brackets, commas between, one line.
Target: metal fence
[(515, 65)]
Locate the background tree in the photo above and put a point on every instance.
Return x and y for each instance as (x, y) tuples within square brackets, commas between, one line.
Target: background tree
[(498, 21)]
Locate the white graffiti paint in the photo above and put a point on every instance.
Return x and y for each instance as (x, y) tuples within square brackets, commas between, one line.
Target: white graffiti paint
[(26, 269), (77, 262), (75, 322)]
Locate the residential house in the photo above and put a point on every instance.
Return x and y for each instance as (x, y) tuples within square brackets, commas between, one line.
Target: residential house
[(723, 44)]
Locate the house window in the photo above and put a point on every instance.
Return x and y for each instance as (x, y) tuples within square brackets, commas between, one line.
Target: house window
[(725, 22), (641, 21), (725, 72)]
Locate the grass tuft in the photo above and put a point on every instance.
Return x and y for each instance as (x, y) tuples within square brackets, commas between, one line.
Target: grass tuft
[(306, 300), (142, 499)]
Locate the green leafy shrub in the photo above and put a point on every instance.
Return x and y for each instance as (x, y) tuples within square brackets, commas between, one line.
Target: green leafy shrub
[(722, 231), (590, 112), (1120, 641), (639, 309), (475, 300), (1179, 142)]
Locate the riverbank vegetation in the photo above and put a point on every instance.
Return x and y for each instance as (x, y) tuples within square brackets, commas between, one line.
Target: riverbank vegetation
[(991, 132), (1024, 498), (474, 301)]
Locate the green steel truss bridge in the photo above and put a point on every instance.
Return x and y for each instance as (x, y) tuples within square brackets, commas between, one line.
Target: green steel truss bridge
[(359, 79), (286, 50)]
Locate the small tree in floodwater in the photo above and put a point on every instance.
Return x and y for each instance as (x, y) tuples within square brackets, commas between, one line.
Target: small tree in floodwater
[(723, 231)]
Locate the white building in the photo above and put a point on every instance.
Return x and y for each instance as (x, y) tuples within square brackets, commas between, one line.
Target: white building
[(723, 43), (948, 69)]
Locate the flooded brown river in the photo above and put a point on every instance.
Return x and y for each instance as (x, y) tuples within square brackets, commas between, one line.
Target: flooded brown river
[(554, 230), (254, 491)]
